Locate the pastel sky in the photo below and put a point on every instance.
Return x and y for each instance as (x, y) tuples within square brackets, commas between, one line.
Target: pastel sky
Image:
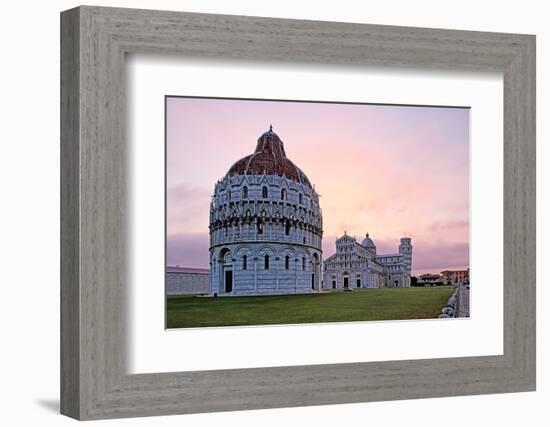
[(386, 170)]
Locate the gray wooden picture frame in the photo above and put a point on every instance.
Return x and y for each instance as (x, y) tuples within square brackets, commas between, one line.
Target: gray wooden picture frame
[(94, 381)]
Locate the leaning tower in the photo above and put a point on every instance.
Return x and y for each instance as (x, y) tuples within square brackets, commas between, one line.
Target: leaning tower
[(405, 249)]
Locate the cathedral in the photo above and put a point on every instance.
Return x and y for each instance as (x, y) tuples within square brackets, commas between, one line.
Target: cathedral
[(357, 265), (265, 226)]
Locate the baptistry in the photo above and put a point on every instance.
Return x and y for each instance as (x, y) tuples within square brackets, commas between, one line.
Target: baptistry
[(265, 226)]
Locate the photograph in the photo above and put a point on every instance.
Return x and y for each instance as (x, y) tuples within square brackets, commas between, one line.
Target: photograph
[(274, 215), (289, 212)]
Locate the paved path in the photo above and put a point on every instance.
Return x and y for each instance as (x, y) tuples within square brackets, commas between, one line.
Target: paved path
[(463, 302)]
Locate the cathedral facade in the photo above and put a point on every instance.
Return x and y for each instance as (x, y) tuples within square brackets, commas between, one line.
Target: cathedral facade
[(265, 226), (357, 265)]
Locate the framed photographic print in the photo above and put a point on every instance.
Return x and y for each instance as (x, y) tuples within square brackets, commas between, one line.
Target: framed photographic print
[(262, 213), (265, 234)]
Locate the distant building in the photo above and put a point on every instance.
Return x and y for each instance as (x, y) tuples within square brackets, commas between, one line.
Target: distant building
[(358, 265), (428, 279), (455, 277)]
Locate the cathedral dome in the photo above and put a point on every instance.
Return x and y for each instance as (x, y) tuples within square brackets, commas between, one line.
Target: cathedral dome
[(269, 158), (367, 242)]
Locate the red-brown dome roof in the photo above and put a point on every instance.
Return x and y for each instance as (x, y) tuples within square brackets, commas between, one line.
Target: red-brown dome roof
[(269, 158)]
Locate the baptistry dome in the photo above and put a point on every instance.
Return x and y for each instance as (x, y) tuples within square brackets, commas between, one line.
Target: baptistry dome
[(269, 158), (266, 226)]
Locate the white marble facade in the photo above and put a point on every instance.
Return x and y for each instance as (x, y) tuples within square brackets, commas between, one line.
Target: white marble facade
[(265, 226), (357, 265)]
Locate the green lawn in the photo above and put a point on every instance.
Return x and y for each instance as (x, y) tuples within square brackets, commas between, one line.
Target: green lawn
[(362, 304)]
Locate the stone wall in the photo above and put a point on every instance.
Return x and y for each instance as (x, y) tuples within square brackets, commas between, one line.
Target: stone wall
[(190, 281), (458, 304), (288, 269)]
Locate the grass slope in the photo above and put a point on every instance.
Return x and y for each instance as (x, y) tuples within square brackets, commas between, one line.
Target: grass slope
[(185, 311)]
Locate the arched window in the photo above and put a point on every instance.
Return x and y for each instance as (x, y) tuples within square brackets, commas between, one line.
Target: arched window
[(287, 228), (266, 262), (260, 227), (264, 192), (283, 194), (245, 192), (301, 198), (287, 262), (228, 194), (245, 259), (303, 263)]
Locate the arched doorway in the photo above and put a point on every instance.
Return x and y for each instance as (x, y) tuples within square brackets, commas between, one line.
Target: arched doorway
[(226, 279), (346, 280)]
